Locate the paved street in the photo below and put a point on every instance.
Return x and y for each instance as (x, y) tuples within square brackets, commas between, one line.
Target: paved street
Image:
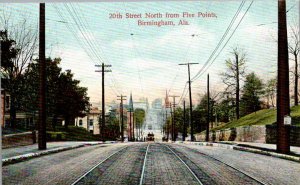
[(152, 163)]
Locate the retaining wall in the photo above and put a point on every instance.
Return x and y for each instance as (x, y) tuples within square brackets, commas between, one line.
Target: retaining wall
[(19, 139), (255, 133)]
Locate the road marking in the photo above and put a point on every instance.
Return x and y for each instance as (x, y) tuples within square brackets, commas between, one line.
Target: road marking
[(98, 165), (143, 170), (185, 165)]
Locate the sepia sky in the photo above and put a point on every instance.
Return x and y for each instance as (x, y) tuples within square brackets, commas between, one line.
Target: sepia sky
[(145, 59)]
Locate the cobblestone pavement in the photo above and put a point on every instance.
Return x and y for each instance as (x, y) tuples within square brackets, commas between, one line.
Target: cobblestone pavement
[(60, 168), (216, 170), (268, 169), (119, 169), (163, 167)]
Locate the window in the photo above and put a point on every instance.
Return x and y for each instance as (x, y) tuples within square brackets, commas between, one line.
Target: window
[(80, 122), (91, 131), (91, 122)]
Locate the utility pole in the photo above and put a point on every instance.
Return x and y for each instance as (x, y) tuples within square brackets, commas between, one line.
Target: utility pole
[(191, 103), (122, 116), (103, 71), (283, 97), (184, 122), (166, 122), (173, 119), (208, 112), (133, 126), (42, 81), (170, 130)]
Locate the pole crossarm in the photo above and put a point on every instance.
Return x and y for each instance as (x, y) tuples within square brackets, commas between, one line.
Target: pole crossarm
[(122, 98), (103, 71), (190, 96)]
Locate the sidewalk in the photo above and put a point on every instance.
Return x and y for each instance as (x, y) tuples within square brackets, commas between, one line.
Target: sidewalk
[(263, 146), (18, 154), (259, 148)]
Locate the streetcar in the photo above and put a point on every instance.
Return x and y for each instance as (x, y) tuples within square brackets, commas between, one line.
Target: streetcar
[(150, 137)]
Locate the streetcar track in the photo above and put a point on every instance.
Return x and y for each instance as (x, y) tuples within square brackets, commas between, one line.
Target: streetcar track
[(226, 164), (98, 164), (144, 164), (194, 175)]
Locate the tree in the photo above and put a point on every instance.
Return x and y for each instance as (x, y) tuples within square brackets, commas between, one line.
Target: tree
[(64, 97), (72, 100), (270, 92), (139, 115), (294, 48), (111, 125), (233, 76), (20, 46), (252, 90)]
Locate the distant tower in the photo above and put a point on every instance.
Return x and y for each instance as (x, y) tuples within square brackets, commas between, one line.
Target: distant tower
[(167, 102), (130, 119)]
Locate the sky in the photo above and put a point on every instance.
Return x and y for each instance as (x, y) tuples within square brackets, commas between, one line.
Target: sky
[(145, 59)]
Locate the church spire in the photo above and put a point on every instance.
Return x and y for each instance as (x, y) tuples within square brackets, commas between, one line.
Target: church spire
[(167, 102), (130, 103)]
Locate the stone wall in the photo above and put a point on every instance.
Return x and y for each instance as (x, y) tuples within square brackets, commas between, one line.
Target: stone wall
[(255, 133), (294, 135), (20, 139)]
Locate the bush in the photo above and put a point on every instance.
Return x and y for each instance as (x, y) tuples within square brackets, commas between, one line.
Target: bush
[(56, 136)]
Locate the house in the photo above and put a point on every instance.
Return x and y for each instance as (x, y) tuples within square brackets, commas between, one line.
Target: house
[(91, 121), (25, 120)]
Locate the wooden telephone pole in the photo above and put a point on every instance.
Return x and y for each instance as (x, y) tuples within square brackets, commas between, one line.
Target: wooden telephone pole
[(191, 104), (122, 116), (173, 118), (42, 81), (208, 111), (103, 71), (283, 97)]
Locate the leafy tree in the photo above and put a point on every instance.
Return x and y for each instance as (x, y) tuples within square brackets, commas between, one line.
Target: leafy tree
[(112, 126), (200, 113), (139, 118), (294, 49), (233, 76), (252, 90), (270, 92), (72, 100), (9, 81), (20, 46), (64, 97), (225, 109)]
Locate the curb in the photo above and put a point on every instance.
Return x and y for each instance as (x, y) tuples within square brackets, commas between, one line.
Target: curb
[(268, 153), (246, 149), (25, 157)]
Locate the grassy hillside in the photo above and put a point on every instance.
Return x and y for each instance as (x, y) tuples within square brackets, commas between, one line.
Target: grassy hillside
[(262, 117), (73, 134)]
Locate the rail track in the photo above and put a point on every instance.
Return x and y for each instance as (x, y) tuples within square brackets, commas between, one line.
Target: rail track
[(98, 164), (226, 164), (199, 177)]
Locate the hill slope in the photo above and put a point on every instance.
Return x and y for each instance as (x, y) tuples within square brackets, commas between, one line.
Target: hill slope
[(262, 117)]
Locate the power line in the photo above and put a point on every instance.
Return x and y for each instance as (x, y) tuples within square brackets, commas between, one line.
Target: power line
[(82, 29), (222, 39), (82, 44), (201, 72)]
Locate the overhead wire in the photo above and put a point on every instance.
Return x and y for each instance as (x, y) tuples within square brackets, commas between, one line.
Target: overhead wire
[(224, 44), (222, 39)]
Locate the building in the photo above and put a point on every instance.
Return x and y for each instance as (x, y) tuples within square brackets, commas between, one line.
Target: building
[(91, 121), (24, 120)]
